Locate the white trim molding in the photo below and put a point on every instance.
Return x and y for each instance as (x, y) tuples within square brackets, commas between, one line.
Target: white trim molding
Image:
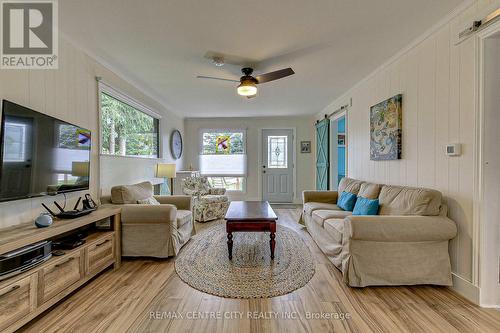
[(118, 94), (488, 292), (465, 288)]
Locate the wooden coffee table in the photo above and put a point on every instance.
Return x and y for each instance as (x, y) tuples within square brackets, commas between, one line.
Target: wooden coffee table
[(253, 216)]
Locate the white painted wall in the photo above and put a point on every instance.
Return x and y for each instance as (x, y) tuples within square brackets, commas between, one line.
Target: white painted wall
[(70, 93), (437, 79), (304, 162)]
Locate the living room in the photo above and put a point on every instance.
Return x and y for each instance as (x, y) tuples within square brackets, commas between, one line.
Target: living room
[(186, 166)]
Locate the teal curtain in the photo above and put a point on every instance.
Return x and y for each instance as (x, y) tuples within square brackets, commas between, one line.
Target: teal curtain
[(323, 154)]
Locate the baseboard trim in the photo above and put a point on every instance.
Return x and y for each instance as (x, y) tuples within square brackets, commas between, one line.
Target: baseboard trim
[(489, 306), (465, 288)]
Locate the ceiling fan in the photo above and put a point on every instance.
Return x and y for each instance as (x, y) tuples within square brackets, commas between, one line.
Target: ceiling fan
[(248, 83)]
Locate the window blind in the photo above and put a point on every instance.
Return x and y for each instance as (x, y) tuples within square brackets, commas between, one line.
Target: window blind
[(223, 165)]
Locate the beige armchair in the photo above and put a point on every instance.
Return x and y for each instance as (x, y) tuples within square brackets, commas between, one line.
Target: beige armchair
[(152, 230)]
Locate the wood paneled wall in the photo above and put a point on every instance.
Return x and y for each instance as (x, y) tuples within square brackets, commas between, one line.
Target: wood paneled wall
[(70, 93), (437, 78)]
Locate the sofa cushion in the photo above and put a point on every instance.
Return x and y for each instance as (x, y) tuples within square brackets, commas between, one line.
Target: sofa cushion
[(402, 200), (349, 185), (183, 217), (335, 228), (130, 194), (310, 207), (319, 216), (329, 214), (346, 201), (369, 190)]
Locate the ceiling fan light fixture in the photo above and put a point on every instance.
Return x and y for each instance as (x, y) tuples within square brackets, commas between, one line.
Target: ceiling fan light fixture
[(247, 88)]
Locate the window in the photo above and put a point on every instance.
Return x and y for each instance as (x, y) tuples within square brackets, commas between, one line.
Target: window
[(277, 152), (223, 158), (127, 130), (229, 183), (15, 137)]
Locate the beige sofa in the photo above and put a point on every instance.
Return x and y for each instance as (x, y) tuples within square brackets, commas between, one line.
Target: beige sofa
[(406, 244), (151, 230)]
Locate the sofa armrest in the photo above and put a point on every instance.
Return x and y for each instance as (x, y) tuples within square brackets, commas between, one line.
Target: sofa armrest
[(179, 201), (217, 191), (387, 228), (320, 196), (133, 214)]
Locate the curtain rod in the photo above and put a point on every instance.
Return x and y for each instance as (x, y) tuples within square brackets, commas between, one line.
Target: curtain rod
[(342, 108), (478, 25)]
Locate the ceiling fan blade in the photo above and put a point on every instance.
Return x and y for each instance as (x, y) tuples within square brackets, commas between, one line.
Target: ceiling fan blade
[(271, 76), (216, 78)]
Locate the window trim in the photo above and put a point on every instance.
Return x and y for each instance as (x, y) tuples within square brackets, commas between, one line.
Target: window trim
[(103, 87), (229, 130)]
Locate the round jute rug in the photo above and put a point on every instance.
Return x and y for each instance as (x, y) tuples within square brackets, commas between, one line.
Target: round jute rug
[(204, 263)]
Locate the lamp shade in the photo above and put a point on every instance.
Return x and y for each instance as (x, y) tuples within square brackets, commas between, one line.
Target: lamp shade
[(247, 89), (80, 169), (165, 170)]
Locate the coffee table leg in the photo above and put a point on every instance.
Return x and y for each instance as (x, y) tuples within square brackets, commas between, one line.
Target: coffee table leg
[(272, 242), (230, 244)]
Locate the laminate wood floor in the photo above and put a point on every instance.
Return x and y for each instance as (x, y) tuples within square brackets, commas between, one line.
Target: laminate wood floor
[(148, 296)]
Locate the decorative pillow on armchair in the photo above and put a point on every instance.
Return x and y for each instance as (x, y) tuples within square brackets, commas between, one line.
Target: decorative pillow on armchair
[(129, 194), (195, 186), (203, 186)]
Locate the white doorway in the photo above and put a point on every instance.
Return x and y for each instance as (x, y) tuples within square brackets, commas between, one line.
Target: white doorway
[(278, 155), (338, 149), (489, 242)]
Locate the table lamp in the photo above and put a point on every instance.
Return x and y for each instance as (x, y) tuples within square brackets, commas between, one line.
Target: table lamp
[(166, 170)]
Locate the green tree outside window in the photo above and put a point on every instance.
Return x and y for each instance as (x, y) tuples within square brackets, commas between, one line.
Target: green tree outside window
[(127, 131)]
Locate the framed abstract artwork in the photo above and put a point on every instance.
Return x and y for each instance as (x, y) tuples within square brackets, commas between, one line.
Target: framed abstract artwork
[(386, 129)]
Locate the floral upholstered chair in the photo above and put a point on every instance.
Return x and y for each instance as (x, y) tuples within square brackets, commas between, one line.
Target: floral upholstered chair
[(209, 203)]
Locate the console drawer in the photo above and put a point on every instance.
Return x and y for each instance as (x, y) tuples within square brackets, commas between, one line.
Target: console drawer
[(100, 254), (60, 274), (17, 300)]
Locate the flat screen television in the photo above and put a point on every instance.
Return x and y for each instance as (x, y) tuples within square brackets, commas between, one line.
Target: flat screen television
[(41, 155)]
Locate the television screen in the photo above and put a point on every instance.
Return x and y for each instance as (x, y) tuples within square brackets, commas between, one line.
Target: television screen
[(41, 155)]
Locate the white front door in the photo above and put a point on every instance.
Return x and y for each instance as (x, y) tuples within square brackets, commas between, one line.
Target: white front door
[(277, 165)]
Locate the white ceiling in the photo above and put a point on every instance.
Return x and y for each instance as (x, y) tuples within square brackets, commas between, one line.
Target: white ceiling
[(331, 44)]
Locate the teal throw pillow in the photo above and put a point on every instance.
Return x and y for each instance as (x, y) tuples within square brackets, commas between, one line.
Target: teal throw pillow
[(366, 206), (346, 201)]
